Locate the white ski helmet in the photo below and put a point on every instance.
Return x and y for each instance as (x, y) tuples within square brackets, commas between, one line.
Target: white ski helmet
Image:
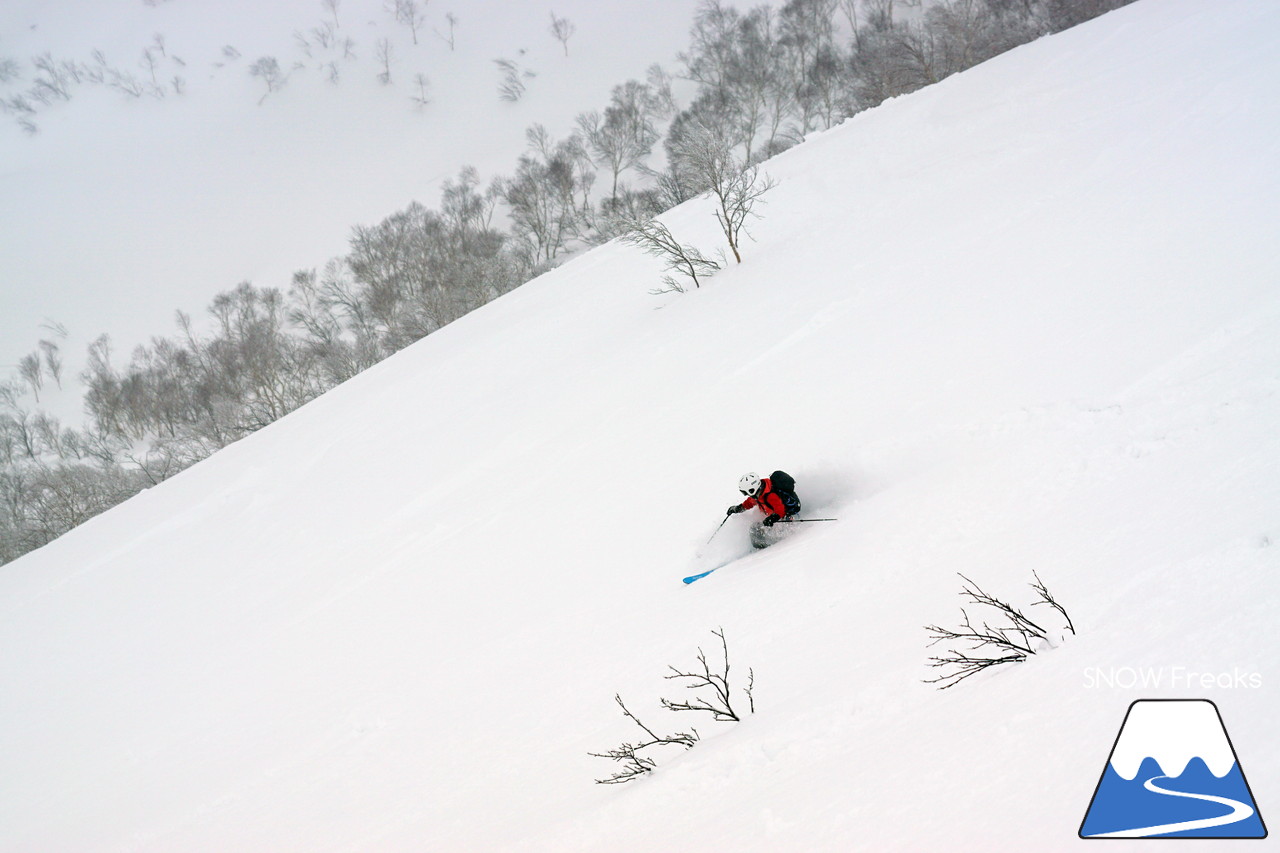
[(749, 485)]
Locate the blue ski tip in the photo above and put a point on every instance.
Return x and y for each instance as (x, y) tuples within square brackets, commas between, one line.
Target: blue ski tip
[(693, 578)]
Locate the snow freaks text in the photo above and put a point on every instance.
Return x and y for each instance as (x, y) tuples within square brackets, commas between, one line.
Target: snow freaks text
[(1171, 677)]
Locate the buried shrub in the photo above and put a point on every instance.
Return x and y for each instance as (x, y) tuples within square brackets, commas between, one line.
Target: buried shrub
[(635, 759), (1010, 638)]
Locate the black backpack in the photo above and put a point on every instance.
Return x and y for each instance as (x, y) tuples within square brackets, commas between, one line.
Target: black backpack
[(784, 485)]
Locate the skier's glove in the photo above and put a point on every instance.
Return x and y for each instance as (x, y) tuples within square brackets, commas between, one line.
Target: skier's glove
[(736, 508), (772, 520)]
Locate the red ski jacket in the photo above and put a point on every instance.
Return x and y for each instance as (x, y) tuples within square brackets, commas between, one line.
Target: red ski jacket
[(768, 500)]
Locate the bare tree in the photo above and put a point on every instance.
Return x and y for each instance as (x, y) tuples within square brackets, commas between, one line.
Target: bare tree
[(624, 136), (23, 112), (31, 370), (324, 37), (635, 765), (52, 81), (737, 200), (151, 64), (735, 188), (512, 86), (452, 20), (719, 705), (421, 96), (331, 6), (52, 360), (662, 102), (1047, 599), (1062, 14), (51, 349), (708, 59), (739, 61), (562, 29), (827, 89), (267, 69), (850, 10), (462, 205), (620, 214), (53, 438), (758, 82), (409, 14), (541, 195), (383, 52), (20, 434), (656, 239), (1012, 639), (123, 81), (814, 66)]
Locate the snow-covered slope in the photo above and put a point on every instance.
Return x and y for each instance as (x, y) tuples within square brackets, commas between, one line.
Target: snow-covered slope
[(1025, 320)]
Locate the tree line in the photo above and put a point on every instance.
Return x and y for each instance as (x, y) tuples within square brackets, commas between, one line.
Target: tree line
[(764, 79)]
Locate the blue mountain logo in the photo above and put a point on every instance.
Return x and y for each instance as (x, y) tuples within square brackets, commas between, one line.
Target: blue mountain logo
[(1173, 773)]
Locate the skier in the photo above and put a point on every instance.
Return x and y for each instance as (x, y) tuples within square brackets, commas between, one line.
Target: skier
[(775, 496)]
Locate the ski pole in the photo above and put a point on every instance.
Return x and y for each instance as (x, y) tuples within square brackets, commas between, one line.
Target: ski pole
[(802, 520), (713, 535)]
